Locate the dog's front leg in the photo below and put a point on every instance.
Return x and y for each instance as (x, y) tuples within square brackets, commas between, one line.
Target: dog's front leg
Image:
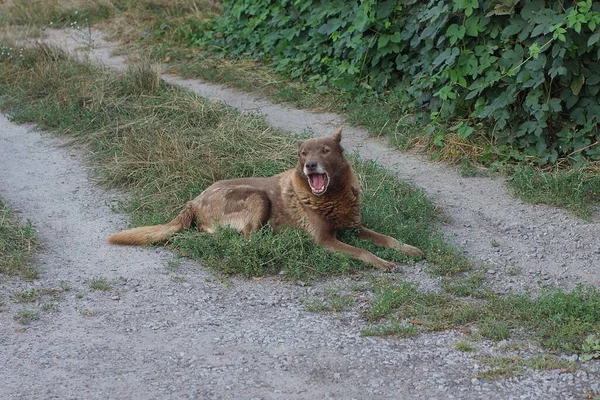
[(387, 241), (331, 243)]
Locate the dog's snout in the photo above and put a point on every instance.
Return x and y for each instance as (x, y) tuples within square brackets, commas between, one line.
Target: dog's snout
[(311, 165)]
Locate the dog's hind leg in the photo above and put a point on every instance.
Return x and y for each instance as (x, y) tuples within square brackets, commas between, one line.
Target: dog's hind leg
[(246, 210), (387, 241)]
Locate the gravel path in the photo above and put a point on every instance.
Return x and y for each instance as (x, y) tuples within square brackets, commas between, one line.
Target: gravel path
[(167, 329)]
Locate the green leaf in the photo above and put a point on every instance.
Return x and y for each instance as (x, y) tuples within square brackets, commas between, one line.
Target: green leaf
[(472, 26), (383, 41), (577, 84), (593, 39), (501, 7), (331, 26), (455, 32), (385, 9)]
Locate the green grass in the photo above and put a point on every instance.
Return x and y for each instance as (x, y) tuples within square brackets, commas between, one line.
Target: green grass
[(394, 329), (99, 284), (503, 367), (577, 190), (559, 321), (334, 300), (28, 296), (465, 347), (17, 244), (26, 317)]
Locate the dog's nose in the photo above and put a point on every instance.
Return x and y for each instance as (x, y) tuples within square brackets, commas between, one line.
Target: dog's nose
[(310, 165)]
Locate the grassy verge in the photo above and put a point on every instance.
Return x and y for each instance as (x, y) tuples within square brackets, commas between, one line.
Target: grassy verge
[(559, 321), (17, 244)]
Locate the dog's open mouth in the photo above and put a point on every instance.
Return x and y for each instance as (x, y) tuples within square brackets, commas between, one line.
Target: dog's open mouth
[(318, 183)]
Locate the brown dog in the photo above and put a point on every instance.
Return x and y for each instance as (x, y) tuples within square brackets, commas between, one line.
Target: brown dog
[(320, 195)]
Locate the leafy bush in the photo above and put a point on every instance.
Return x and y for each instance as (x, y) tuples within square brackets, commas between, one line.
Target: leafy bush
[(524, 72)]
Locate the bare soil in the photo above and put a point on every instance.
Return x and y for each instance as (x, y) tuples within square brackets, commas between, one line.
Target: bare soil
[(168, 329)]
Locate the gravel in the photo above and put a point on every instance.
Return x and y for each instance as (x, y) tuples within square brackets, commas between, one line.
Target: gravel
[(169, 329)]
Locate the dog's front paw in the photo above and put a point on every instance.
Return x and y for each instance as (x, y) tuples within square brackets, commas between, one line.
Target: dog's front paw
[(411, 250), (386, 266)]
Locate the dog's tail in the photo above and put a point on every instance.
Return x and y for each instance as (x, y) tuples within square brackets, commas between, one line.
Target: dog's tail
[(156, 233)]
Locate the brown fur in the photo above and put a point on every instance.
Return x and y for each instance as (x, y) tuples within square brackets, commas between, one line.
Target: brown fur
[(286, 199)]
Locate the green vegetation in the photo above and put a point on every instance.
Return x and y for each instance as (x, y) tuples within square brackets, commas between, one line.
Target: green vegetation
[(577, 189), (503, 367), (100, 284), (590, 348), (17, 244), (560, 321), (26, 317), (464, 347), (526, 81), (334, 300)]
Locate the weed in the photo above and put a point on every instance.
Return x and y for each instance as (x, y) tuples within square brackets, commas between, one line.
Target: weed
[(28, 296), (17, 244), (26, 317), (502, 367), (178, 278), (470, 286), (316, 305), (50, 307), (334, 300), (392, 329), (101, 284), (590, 348), (65, 286), (464, 347), (560, 321), (467, 169)]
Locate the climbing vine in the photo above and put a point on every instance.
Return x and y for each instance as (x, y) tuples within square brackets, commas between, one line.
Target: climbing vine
[(523, 72)]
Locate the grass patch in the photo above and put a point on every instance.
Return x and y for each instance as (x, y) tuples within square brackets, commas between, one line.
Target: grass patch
[(469, 286), (577, 190), (395, 329), (504, 367), (17, 244), (28, 296), (559, 321), (166, 145), (334, 300), (26, 317), (99, 284), (465, 347)]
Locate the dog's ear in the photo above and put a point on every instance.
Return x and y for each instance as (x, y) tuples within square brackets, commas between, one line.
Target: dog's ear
[(338, 135), (299, 143)]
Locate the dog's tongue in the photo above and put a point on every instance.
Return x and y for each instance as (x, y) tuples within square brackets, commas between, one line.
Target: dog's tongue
[(317, 181)]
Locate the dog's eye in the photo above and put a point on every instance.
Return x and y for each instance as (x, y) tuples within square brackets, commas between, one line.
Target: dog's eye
[(325, 150), (303, 153)]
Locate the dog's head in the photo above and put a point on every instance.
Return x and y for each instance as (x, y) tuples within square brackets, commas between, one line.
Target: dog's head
[(321, 160)]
